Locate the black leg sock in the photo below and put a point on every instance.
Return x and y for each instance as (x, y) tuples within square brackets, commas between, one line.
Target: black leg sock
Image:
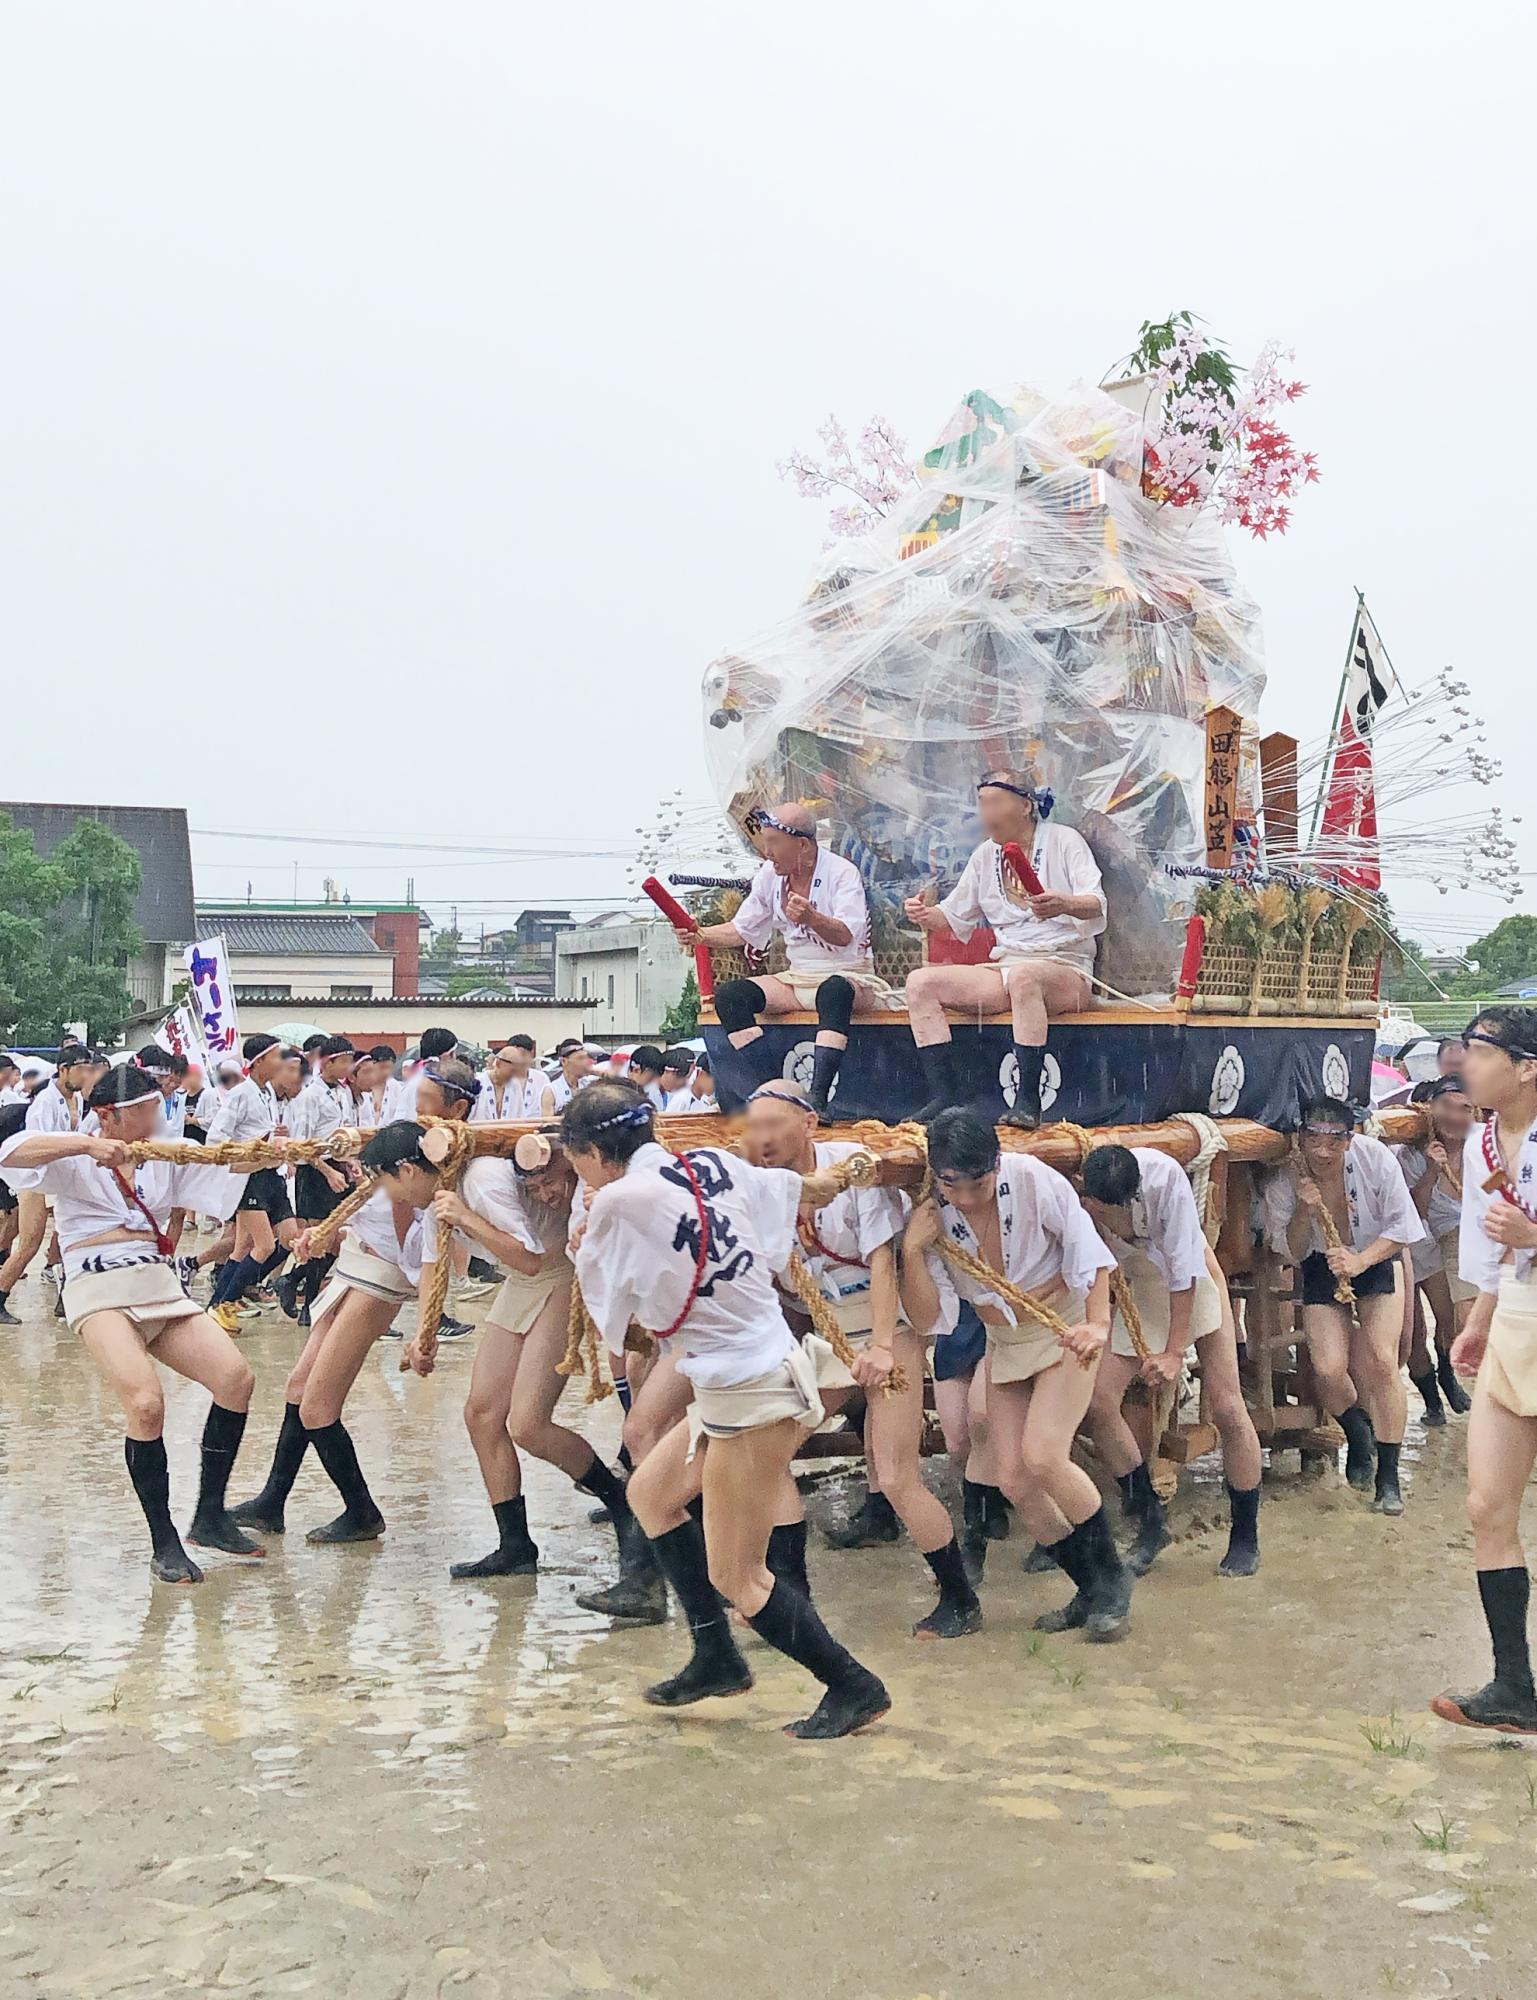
[(270, 1264), (790, 1624), (151, 1476), (1109, 1586), (825, 1065), (1146, 1509), (514, 1554), (1360, 1445), (787, 1555), (212, 1527), (1388, 1498), (316, 1271), (266, 1510), (1070, 1554), (1027, 1098), (1430, 1394), (716, 1666), (636, 1555), (875, 1520), (1458, 1401), (360, 1520), (1242, 1558), (1505, 1595), (939, 1074), (959, 1609), (605, 1486)]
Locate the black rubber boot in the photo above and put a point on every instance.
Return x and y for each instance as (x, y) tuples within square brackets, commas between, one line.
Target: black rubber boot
[(286, 1292), (1458, 1401), (995, 1514), (147, 1468), (640, 1595), (1146, 1509), (1507, 1704), (716, 1666), (213, 1527), (1109, 1586), (871, 1524), (1388, 1499), (939, 1081), (1242, 1558), (359, 1520), (1037, 1560), (7, 1317), (974, 1528), (959, 1610), (1025, 1114), (265, 1510), (1360, 1447), (514, 1554), (1430, 1392), (1071, 1557), (854, 1695), (825, 1065)]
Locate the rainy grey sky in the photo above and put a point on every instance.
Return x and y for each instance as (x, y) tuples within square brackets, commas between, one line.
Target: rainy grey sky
[(393, 394)]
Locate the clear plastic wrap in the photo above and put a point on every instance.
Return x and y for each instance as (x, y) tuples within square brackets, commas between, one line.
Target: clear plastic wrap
[(1025, 605)]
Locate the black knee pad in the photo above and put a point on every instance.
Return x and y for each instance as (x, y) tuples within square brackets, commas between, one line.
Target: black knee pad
[(739, 1003), (835, 1004)]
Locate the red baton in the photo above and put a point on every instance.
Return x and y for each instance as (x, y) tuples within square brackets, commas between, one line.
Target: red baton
[(1195, 952), (1017, 862), (680, 920)]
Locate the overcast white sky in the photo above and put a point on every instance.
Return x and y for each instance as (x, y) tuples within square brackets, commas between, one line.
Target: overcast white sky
[(392, 393)]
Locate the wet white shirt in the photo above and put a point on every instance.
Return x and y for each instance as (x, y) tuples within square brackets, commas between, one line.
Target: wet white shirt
[(1442, 1213), (837, 890), (851, 1229), (371, 1113), (563, 1091), (249, 1112), (375, 1230), (491, 1187), (405, 1094), (210, 1098), (1479, 1257), (1165, 1222), (1376, 1200), (1046, 1235), (89, 1200), (641, 1251), (320, 1109), (52, 1111), (520, 1098), (1065, 866)]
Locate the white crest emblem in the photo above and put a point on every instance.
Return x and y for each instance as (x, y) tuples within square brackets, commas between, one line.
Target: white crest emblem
[(1336, 1072), (1227, 1081), (1008, 1080), (800, 1063)]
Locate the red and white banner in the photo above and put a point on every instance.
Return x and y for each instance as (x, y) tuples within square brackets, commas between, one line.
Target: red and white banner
[(1348, 835), (178, 1036), (212, 999)]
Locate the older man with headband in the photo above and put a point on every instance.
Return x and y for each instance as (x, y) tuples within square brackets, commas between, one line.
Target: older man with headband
[(816, 900), (1045, 927)]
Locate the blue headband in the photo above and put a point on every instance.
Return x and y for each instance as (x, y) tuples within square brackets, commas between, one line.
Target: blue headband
[(766, 818), (468, 1091), (1043, 799), (632, 1114)]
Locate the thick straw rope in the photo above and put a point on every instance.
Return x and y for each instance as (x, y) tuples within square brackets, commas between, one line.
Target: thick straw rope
[(1212, 1142), (963, 1260), (250, 1156), (825, 1320), (460, 1151), (1344, 1291)]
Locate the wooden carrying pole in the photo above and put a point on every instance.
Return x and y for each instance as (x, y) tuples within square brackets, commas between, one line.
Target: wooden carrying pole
[(900, 1163)]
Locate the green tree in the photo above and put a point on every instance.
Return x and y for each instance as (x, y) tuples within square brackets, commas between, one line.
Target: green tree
[(681, 1021), (469, 981), (66, 931), (1508, 952)]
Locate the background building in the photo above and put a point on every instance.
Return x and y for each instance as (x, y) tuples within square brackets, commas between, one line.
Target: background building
[(337, 950), (628, 968), (164, 908), (399, 1022)]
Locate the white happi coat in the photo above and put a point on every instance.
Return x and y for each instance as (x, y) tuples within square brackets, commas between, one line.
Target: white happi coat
[(1064, 866), (1046, 1235), (640, 1254), (1376, 1199)]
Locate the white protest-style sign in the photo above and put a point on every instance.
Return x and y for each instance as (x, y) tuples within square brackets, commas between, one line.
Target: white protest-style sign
[(212, 999)]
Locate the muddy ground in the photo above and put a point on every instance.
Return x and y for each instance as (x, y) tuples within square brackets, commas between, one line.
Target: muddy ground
[(338, 1773)]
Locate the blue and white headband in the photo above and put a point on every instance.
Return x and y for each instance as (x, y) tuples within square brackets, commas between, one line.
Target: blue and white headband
[(1043, 798), (765, 818), (451, 1085), (779, 1097), (632, 1114)]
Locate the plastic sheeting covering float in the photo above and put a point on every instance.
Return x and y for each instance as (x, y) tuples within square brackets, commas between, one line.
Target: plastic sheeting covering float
[(1026, 605)]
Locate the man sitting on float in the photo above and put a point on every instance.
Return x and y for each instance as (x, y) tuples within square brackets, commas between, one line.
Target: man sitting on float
[(1044, 955), (817, 900)]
